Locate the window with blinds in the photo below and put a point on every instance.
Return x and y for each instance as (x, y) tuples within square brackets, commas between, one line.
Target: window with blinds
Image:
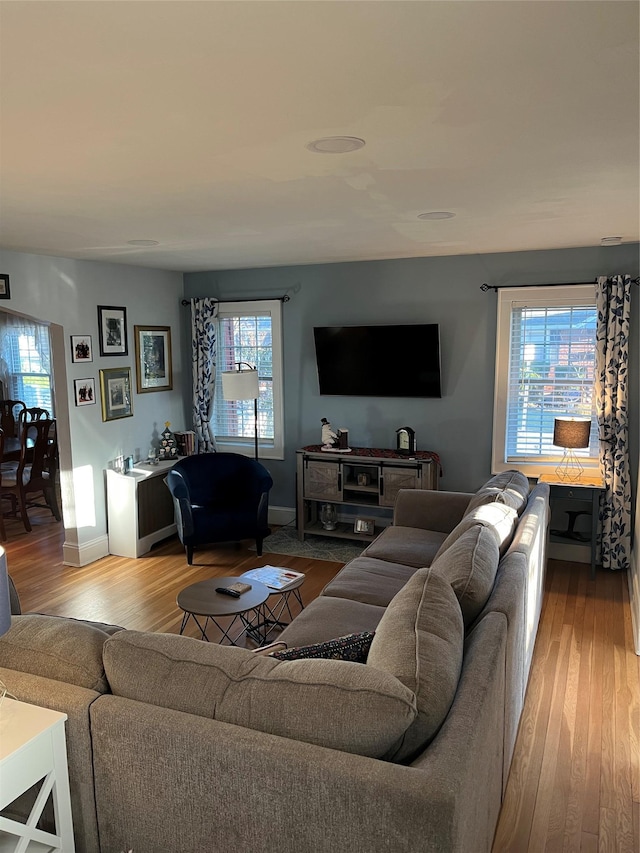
[(25, 351), (545, 368), (250, 333)]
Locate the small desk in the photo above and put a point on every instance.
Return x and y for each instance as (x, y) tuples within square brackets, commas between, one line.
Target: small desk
[(588, 486), (33, 748), (201, 599)]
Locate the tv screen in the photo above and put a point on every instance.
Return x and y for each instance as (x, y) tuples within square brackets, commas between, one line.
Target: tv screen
[(379, 361)]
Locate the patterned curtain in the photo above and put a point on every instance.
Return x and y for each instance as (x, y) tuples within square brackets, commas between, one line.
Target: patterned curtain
[(203, 356), (613, 300)]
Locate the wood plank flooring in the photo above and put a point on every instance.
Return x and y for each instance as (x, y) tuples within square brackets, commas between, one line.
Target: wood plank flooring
[(575, 778)]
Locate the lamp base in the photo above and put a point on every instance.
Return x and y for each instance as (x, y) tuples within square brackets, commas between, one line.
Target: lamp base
[(570, 468)]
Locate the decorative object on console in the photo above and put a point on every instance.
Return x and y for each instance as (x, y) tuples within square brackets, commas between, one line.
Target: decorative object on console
[(328, 516), (365, 525), (571, 433), (329, 437), (243, 385), (168, 445), (343, 438), (406, 441)]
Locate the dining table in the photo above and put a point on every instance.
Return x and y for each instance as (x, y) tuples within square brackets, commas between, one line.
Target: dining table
[(11, 452)]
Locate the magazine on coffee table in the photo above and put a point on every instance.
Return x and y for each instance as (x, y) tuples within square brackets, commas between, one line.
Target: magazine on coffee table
[(274, 577)]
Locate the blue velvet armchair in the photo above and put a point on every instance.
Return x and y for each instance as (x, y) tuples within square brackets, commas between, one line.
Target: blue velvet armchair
[(219, 497)]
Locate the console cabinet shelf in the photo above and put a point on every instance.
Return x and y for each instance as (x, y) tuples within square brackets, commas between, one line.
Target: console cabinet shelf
[(355, 481)]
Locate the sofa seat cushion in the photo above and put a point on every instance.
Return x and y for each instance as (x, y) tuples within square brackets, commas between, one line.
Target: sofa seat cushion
[(370, 581), (298, 699), (66, 650), (420, 640), (328, 617), (470, 565), (411, 546), (508, 487), (497, 517)]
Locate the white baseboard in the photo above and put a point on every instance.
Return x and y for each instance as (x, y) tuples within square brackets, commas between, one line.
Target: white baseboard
[(634, 597), (88, 552), (281, 515)]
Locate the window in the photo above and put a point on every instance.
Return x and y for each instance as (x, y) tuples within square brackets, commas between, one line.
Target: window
[(250, 332), (545, 367), (25, 360)]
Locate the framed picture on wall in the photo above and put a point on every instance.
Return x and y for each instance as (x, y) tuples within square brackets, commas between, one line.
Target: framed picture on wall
[(112, 330), (153, 358), (81, 349), (84, 392), (115, 392), (5, 293)]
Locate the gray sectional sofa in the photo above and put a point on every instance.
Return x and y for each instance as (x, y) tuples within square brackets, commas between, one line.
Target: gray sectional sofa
[(180, 746)]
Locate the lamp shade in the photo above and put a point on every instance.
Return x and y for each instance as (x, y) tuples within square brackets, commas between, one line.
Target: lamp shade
[(571, 432), (5, 601), (240, 385)]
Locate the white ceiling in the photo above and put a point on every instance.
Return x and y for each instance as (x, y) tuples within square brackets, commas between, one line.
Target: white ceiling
[(186, 123)]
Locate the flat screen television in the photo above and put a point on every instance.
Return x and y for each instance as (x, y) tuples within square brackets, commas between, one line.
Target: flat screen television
[(379, 361)]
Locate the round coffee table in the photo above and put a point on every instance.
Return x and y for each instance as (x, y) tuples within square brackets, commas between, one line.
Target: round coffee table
[(282, 603), (201, 599)]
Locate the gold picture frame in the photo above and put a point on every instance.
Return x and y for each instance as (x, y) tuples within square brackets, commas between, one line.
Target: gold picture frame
[(153, 359), (115, 392)]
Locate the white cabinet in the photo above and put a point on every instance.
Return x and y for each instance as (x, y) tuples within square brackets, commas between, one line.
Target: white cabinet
[(139, 509)]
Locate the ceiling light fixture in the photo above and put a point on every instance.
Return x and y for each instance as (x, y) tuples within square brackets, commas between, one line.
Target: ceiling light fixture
[(436, 214), (143, 243), (335, 144), (611, 241)]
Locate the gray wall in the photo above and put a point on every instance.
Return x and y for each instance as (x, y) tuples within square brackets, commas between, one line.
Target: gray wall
[(419, 290), (66, 293)]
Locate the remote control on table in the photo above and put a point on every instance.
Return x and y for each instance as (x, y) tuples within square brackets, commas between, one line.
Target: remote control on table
[(225, 591)]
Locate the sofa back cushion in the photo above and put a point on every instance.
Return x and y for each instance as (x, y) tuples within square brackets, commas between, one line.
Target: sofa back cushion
[(419, 640), (66, 650), (497, 517), (337, 704), (470, 566), (508, 487)]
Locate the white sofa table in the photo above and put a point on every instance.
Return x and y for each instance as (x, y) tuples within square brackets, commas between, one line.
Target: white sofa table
[(33, 748)]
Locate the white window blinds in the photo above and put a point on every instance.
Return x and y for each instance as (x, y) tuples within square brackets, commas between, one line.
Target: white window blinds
[(545, 369)]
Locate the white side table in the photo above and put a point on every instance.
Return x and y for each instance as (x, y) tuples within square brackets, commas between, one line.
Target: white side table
[(33, 748)]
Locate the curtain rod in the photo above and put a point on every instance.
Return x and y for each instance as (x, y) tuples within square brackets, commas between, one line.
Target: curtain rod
[(496, 287), (284, 298)]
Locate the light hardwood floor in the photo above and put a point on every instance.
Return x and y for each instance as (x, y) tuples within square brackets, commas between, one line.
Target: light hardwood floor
[(575, 778)]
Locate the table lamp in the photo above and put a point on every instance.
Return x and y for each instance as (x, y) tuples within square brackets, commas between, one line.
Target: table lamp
[(570, 433), (243, 385)]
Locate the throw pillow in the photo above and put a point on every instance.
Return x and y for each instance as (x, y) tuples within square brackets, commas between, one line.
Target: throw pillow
[(353, 647), (420, 641), (302, 699), (55, 647)]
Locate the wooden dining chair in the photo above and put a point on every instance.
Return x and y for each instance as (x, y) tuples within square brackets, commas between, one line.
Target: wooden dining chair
[(35, 471), (32, 413), (10, 412)]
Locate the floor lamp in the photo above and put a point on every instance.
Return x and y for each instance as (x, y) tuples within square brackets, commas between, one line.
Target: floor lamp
[(243, 385)]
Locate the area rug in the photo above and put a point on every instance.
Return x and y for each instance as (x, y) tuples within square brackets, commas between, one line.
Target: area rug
[(285, 541)]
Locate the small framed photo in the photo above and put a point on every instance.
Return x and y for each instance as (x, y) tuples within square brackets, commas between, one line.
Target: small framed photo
[(365, 525), (112, 330), (5, 293), (81, 349), (85, 392), (115, 391), (153, 358)]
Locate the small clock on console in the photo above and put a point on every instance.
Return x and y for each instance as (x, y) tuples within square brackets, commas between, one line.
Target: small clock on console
[(406, 441)]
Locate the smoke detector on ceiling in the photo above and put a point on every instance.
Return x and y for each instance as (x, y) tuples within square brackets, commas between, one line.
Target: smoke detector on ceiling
[(437, 214), (142, 243), (611, 241), (335, 144)]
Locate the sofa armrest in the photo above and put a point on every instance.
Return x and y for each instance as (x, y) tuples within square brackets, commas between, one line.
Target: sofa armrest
[(430, 510)]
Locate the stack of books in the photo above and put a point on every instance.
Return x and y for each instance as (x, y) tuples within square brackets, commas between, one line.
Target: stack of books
[(186, 440)]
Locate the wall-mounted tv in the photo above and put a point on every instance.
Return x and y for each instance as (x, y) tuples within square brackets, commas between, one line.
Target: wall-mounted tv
[(379, 361)]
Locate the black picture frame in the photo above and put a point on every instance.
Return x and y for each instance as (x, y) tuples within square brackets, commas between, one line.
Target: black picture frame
[(5, 290), (112, 330), (81, 349), (84, 391)]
